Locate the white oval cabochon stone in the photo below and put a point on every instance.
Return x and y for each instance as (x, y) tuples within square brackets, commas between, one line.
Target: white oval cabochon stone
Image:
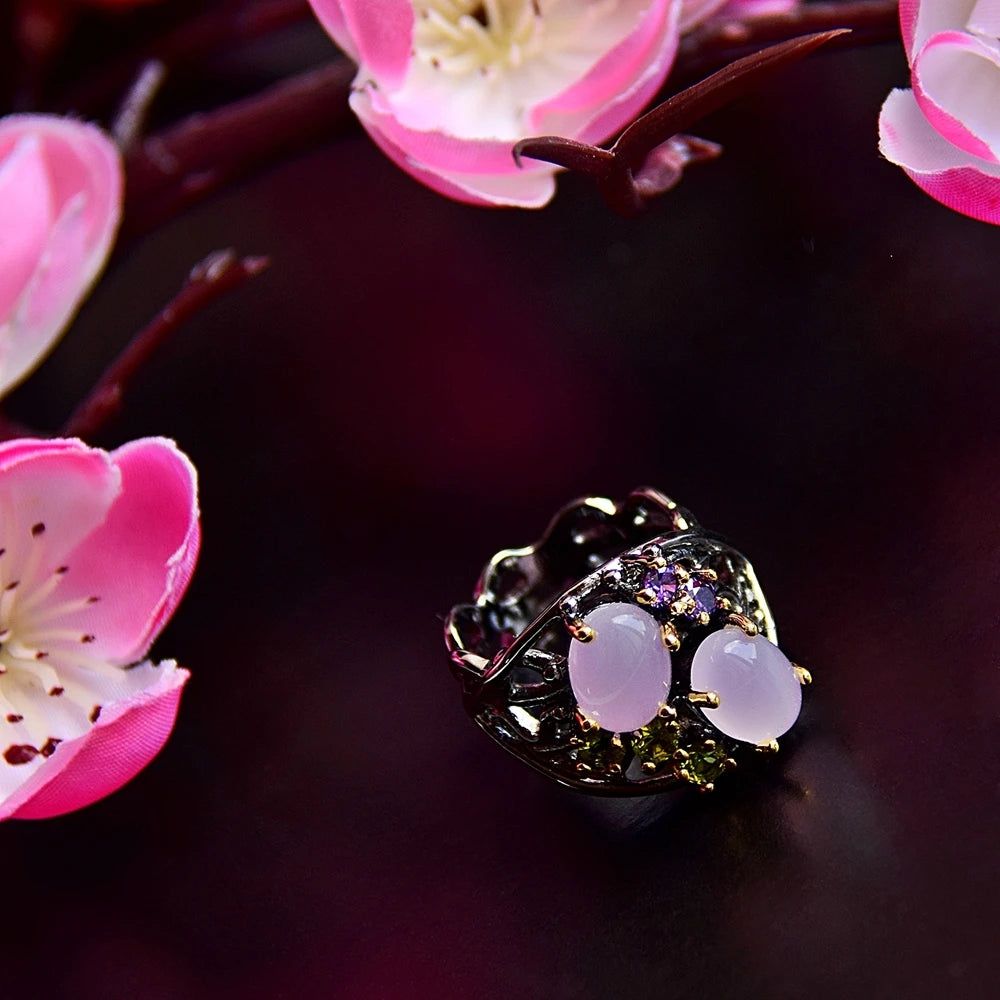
[(759, 695), (622, 676)]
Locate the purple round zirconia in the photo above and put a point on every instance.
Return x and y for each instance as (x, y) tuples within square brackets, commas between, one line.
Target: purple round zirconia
[(704, 598), (697, 595), (663, 584)]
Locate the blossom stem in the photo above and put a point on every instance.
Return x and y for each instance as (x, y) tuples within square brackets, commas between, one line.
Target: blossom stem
[(217, 274), (130, 121), (175, 167), (721, 40), (619, 171)]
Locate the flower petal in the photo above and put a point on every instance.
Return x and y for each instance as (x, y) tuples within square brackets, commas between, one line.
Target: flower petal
[(435, 150), (528, 188), (956, 80), (53, 494), (646, 54), (920, 19), (140, 560), (25, 219), (962, 182), (84, 172), (627, 105), (757, 8), (125, 738), (331, 16), (382, 31), (696, 11), (985, 18)]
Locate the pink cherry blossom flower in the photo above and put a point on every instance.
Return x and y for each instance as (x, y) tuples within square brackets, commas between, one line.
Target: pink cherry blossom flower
[(757, 8), (446, 87), (60, 205), (945, 132), (96, 550)]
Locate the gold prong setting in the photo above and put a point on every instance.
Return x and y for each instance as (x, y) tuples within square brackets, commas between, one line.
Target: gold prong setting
[(580, 631), (743, 622), (681, 595), (681, 749)]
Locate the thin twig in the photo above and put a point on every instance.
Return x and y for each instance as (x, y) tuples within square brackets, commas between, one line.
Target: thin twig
[(721, 40), (131, 119), (176, 167), (619, 171), (216, 275)]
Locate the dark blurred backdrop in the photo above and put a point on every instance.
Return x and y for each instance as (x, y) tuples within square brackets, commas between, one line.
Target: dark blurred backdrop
[(796, 343)]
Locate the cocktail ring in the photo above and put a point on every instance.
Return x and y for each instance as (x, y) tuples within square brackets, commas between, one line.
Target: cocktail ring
[(627, 652)]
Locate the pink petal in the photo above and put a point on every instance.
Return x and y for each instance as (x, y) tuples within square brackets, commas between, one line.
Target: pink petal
[(951, 176), (83, 171), (382, 33), (757, 8), (53, 494), (696, 11), (956, 80), (53, 291), (640, 56), (125, 738), (432, 149), (331, 16), (920, 19), (627, 105), (985, 18), (530, 188), (25, 218), (140, 560)]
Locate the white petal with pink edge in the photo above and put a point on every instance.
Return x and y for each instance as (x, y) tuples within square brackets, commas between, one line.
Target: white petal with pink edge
[(530, 188), (956, 80), (920, 19), (69, 774), (957, 179), (604, 100)]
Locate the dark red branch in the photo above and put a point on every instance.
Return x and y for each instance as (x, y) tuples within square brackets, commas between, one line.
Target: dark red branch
[(627, 174), (175, 167), (720, 40), (216, 275), (680, 112)]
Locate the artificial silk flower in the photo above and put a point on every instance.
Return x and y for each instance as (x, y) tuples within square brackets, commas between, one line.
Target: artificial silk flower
[(446, 87), (945, 132), (757, 8), (96, 550), (61, 187)]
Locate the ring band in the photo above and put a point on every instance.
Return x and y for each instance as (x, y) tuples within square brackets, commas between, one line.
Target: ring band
[(627, 652)]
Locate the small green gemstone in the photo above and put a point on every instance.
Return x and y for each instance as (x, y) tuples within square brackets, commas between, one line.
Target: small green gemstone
[(704, 764), (598, 752), (655, 744)]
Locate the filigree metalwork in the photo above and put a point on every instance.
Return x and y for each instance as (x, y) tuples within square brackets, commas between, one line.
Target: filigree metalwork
[(510, 646)]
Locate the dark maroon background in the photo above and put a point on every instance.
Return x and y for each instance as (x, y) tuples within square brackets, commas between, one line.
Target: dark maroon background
[(796, 343)]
